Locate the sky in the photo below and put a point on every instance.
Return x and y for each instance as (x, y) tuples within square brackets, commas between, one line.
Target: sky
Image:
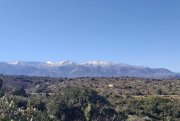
[(136, 32)]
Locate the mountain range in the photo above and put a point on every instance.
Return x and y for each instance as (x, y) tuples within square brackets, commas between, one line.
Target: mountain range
[(87, 69)]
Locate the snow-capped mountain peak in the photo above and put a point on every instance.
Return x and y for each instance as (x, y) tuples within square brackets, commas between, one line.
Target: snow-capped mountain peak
[(98, 63), (17, 62), (61, 63), (13, 62), (50, 63)]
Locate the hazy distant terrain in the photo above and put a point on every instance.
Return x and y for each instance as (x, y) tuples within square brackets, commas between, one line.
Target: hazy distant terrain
[(88, 69)]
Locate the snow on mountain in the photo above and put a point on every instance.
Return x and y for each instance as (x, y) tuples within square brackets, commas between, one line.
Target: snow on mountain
[(61, 63), (24, 63), (18, 63), (13, 63), (98, 63)]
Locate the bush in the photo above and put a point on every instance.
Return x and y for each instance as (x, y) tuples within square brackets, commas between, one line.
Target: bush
[(74, 103), (20, 92)]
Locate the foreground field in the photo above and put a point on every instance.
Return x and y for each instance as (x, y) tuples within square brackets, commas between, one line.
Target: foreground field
[(89, 99)]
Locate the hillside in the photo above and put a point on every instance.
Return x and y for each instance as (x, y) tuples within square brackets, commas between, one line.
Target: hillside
[(89, 99)]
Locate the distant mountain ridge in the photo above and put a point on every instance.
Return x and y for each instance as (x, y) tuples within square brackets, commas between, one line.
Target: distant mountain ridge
[(87, 69)]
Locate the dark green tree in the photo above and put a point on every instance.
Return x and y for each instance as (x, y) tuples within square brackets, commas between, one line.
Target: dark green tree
[(20, 92)]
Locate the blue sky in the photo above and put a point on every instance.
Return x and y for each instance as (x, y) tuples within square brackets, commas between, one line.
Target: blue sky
[(137, 32)]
